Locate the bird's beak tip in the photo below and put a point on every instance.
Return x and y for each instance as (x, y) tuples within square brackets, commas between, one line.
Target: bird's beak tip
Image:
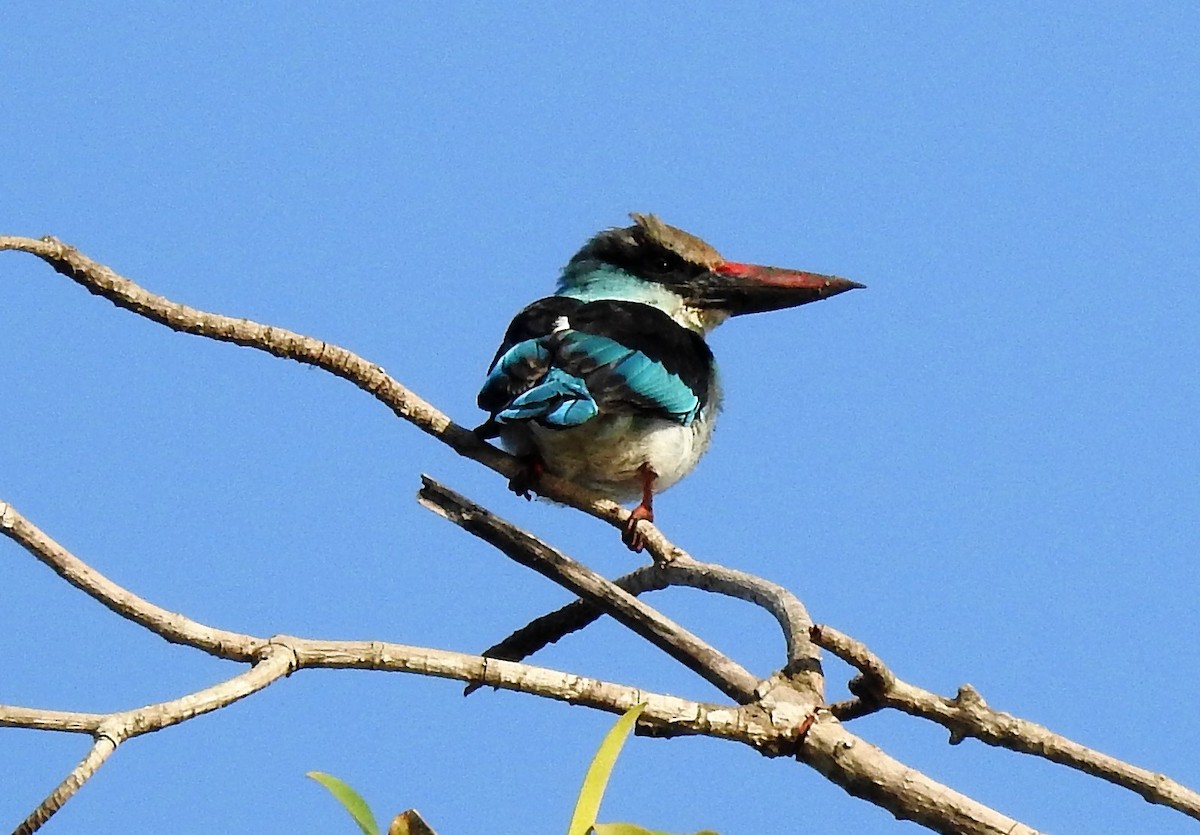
[(751, 288)]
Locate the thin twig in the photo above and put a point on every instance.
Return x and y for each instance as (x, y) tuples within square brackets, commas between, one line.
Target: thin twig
[(115, 728), (967, 715), (576, 615), (694, 653), (803, 658), (96, 756), (172, 626), (803, 668)]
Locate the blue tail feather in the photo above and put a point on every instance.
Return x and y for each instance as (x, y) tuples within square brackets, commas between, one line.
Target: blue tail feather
[(559, 399)]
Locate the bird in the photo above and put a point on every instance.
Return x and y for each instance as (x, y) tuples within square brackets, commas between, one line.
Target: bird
[(609, 383)]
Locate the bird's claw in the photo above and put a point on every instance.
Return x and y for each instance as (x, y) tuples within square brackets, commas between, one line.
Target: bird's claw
[(526, 478), (487, 430), (631, 534)]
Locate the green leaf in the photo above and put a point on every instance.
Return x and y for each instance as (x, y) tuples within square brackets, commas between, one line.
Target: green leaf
[(587, 806), (350, 799)]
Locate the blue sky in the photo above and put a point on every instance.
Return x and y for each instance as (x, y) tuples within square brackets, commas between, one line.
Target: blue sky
[(984, 466)]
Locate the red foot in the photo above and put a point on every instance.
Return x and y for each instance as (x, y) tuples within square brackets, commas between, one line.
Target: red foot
[(631, 536), (527, 477)]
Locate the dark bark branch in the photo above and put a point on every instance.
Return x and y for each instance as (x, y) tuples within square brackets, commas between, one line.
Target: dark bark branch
[(554, 626), (697, 655), (803, 658)]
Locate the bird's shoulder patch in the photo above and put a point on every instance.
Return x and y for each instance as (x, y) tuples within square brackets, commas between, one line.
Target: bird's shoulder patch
[(564, 361), (536, 320), (634, 359), (654, 334)]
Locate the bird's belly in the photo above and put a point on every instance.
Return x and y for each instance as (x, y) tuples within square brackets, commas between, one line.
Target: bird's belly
[(605, 453)]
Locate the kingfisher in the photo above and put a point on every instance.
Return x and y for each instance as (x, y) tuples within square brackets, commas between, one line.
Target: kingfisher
[(609, 383)]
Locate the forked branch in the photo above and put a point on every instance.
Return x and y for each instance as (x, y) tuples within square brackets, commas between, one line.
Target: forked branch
[(780, 716), (967, 715), (278, 656)]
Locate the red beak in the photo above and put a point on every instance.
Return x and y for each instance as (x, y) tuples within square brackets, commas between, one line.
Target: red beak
[(749, 288)]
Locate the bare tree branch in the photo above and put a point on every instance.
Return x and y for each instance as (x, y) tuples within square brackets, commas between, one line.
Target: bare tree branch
[(777, 719), (867, 772), (579, 614), (967, 715), (172, 626), (603, 595), (860, 768), (803, 667), (371, 378), (304, 653), (96, 756), (110, 730), (774, 724), (694, 653), (279, 656)]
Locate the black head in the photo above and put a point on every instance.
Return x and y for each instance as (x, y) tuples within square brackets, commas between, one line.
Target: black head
[(654, 251)]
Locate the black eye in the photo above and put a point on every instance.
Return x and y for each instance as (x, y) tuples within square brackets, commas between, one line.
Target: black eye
[(660, 266)]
